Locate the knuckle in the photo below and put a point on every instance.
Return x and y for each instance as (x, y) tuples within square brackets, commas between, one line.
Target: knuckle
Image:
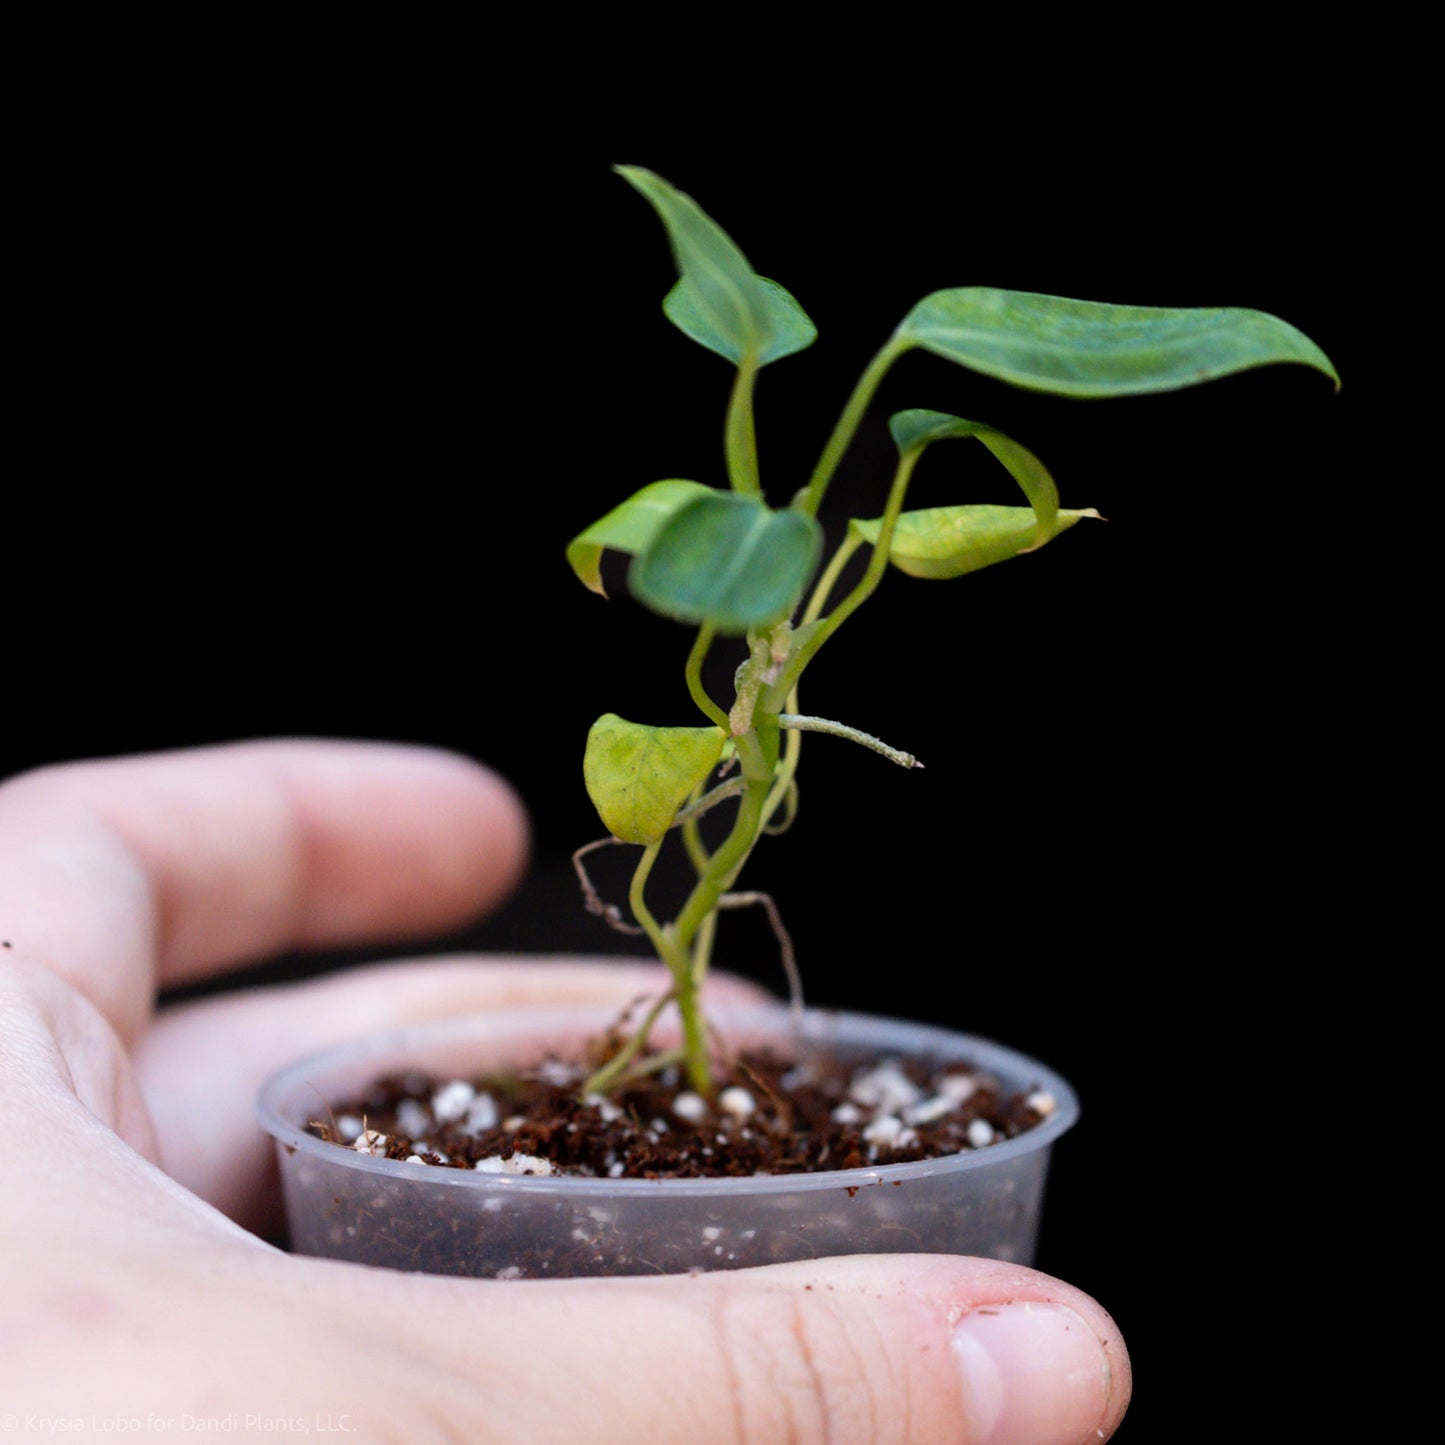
[(805, 1369)]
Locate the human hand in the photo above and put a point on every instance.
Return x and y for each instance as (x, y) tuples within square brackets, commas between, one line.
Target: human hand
[(138, 1297)]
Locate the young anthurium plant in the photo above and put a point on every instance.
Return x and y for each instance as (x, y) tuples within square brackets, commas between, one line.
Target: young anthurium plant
[(731, 566)]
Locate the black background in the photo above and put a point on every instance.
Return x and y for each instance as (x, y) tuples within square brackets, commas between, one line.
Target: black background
[(330, 366)]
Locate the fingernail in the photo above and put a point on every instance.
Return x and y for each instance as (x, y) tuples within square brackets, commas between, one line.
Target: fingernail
[(1034, 1374)]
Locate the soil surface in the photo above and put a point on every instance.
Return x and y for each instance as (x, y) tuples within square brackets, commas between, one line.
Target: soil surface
[(768, 1115)]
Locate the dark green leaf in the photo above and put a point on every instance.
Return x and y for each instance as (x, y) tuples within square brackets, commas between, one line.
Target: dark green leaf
[(1088, 348), (726, 559), (720, 301)]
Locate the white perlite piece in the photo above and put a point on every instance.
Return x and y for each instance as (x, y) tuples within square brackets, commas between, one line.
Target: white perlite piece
[(482, 1115), (516, 1164), (930, 1109), (958, 1087), (892, 1134), (452, 1100), (737, 1102), (607, 1111), (980, 1133), (370, 1141), (885, 1088), (885, 1129), (1042, 1103), (690, 1106)]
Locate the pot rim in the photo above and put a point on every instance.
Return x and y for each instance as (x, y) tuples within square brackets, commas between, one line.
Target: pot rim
[(890, 1035)]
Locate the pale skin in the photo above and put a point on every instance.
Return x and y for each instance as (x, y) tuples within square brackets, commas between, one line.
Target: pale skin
[(137, 1191)]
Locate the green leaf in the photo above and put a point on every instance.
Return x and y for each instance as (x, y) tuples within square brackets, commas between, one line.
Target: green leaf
[(1088, 348), (914, 430), (728, 560), (787, 325), (628, 527), (639, 776), (943, 542), (720, 302)]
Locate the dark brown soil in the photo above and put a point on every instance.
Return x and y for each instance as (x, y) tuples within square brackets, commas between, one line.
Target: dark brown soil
[(810, 1113), (767, 1116)]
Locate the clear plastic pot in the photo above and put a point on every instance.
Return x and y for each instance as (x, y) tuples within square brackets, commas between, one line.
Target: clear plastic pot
[(346, 1205)]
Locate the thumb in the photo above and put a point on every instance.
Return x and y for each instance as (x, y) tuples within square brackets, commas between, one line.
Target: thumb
[(872, 1349)]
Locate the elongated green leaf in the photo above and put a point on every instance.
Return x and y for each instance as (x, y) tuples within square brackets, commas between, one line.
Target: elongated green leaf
[(639, 776), (728, 560), (720, 301), (1088, 348), (914, 430), (629, 527), (943, 542)]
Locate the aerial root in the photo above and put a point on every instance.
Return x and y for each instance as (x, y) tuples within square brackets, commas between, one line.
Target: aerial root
[(785, 942), (854, 735), (609, 913)]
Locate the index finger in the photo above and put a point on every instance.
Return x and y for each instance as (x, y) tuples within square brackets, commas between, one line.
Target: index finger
[(127, 875)]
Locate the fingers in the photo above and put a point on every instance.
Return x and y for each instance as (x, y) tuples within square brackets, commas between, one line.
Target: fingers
[(869, 1349), (60, 1055), (129, 874), (200, 1065)]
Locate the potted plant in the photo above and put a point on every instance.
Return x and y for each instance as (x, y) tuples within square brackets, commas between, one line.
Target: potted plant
[(723, 1140)]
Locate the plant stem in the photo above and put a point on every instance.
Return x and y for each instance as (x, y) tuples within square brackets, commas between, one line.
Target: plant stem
[(723, 866), (700, 646), (694, 920), (793, 743), (692, 840), (838, 443), (846, 548), (640, 911), (867, 585), (702, 948), (672, 949), (685, 944), (740, 440), (605, 1077), (784, 787), (709, 800)]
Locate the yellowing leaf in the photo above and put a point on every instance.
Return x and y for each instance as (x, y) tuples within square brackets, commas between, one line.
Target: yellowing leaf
[(944, 542), (629, 527), (639, 776)]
